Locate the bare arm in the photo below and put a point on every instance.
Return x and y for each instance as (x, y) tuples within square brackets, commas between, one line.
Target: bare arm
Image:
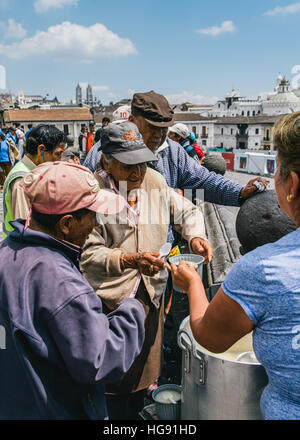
[(216, 325)]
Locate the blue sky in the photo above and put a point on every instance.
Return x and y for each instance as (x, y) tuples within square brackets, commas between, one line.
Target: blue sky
[(193, 50)]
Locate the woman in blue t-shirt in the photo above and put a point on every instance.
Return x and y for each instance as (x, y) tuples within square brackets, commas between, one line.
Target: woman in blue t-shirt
[(261, 293), (5, 163)]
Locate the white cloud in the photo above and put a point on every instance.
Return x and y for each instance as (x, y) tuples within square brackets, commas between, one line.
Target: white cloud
[(290, 9), (193, 98), (78, 42), (12, 30), (44, 5), (224, 28), (112, 95), (131, 92)]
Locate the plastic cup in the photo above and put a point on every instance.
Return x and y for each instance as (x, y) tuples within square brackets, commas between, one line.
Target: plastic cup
[(196, 260)]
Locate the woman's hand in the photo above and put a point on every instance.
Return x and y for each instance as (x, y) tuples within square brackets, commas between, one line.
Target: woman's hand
[(148, 263), (184, 275)]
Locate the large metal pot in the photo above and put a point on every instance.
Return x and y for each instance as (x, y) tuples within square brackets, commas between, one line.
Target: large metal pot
[(216, 386)]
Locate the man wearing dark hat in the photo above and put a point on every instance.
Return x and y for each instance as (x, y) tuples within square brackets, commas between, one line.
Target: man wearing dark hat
[(121, 257), (153, 115)]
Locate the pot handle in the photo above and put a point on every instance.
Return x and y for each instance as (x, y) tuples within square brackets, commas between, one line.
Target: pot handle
[(183, 344), (192, 347), (186, 346)]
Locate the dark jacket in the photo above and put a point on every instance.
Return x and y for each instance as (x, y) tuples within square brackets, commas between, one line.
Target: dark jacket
[(56, 344)]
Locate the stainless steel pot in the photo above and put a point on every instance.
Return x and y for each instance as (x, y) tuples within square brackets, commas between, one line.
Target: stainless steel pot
[(217, 387)]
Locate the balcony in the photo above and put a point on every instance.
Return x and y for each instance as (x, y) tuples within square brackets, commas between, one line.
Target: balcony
[(242, 135)]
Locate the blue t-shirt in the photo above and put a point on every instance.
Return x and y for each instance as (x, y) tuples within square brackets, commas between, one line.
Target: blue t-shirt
[(266, 284), (4, 156)]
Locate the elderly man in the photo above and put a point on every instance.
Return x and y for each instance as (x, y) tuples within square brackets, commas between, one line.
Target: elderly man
[(153, 116), (121, 257)]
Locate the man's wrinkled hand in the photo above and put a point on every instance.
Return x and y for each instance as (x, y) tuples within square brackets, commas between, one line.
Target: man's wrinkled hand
[(250, 189), (202, 247), (150, 264)]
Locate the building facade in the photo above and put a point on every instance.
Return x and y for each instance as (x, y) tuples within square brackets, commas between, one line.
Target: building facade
[(68, 120)]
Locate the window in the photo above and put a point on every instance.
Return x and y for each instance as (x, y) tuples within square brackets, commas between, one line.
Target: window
[(257, 131), (194, 130), (243, 113), (222, 130), (248, 113), (253, 113), (204, 142), (232, 131), (66, 129)]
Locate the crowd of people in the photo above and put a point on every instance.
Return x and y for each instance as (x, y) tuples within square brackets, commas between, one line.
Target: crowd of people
[(12, 142), (84, 289)]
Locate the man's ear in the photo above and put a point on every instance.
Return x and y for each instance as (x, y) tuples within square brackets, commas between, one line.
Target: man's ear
[(131, 119), (295, 189), (40, 148), (64, 225)]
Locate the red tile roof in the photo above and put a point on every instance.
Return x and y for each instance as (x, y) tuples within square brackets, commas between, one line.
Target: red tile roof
[(52, 115)]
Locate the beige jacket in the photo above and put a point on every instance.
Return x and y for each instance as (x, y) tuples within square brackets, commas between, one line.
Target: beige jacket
[(19, 203), (160, 206), (13, 151)]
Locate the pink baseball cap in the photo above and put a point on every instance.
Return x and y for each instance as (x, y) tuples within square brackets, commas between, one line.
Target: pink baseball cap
[(63, 187)]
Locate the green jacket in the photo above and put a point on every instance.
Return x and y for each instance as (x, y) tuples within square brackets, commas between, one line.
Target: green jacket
[(19, 170)]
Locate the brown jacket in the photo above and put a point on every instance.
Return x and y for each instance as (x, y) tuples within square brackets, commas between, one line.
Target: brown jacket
[(160, 205)]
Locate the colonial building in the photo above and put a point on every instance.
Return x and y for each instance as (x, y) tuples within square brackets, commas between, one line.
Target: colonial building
[(281, 101), (68, 120), (230, 133)]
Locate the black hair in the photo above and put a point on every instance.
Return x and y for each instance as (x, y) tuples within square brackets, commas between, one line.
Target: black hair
[(18, 124), (46, 135), (106, 119), (2, 136), (29, 126), (70, 153), (49, 221)]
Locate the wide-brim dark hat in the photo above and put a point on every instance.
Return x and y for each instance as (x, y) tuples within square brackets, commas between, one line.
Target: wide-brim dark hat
[(125, 144), (154, 108)]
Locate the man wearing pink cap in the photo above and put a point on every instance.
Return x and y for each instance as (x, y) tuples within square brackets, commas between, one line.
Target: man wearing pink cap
[(59, 348)]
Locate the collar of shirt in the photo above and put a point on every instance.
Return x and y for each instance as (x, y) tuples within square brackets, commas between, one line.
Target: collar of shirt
[(159, 151), (133, 208)]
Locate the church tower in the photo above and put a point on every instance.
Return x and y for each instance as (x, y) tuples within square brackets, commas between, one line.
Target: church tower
[(78, 94), (89, 95)]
